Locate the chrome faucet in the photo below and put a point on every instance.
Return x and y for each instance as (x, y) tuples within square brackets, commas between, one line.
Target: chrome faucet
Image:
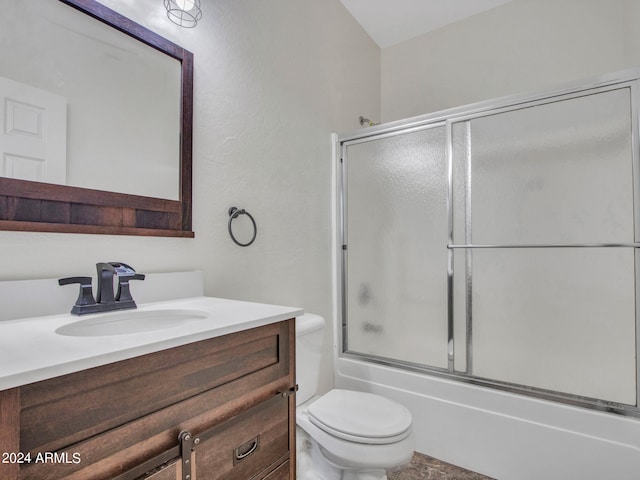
[(105, 300)]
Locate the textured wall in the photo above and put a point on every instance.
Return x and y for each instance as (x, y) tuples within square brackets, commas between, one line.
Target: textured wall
[(522, 46), (272, 81)]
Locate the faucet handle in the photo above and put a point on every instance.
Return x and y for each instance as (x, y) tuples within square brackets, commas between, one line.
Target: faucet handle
[(124, 294), (85, 296)]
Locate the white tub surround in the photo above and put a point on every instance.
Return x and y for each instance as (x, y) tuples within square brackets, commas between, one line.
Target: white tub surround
[(501, 434)]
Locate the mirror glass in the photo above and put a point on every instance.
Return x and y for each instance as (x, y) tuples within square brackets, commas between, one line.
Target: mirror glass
[(84, 105)]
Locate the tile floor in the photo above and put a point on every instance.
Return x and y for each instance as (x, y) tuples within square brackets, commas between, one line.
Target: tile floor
[(423, 467)]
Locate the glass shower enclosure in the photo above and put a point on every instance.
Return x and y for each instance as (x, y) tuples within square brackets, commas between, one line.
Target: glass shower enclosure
[(496, 244)]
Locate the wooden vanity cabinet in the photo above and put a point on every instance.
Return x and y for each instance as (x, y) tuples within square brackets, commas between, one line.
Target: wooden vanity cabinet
[(170, 471), (222, 408)]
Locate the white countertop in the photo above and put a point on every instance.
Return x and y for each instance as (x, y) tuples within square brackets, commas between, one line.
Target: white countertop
[(31, 350)]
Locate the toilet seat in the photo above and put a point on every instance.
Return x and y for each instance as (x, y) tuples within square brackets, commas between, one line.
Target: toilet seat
[(349, 455), (360, 417)]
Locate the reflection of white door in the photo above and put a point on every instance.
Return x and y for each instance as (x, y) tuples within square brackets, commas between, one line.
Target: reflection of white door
[(33, 140)]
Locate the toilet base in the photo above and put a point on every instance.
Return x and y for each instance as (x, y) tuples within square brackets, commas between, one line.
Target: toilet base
[(364, 475), (311, 464)]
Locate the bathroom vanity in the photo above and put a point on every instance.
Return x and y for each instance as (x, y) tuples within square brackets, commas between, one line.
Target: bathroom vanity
[(212, 397)]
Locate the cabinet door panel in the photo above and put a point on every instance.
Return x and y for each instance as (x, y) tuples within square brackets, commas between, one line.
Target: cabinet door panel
[(247, 446), (110, 453)]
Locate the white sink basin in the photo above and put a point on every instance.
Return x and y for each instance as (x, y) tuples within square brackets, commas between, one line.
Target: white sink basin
[(130, 321)]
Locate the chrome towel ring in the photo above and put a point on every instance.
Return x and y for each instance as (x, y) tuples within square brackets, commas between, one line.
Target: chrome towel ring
[(234, 213)]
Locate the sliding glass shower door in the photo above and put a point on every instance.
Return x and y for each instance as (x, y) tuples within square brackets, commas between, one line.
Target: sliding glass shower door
[(545, 191), (396, 210), (499, 246)]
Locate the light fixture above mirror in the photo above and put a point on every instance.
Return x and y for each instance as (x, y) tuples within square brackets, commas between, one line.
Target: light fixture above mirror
[(186, 13)]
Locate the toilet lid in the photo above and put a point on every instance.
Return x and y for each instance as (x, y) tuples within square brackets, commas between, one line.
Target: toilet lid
[(360, 417)]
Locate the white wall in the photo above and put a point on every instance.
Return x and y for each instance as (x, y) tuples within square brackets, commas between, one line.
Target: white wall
[(272, 81), (522, 46)]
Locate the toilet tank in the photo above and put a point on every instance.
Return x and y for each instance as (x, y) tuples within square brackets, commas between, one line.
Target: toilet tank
[(309, 336)]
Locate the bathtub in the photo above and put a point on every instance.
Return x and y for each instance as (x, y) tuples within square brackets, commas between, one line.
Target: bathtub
[(500, 434)]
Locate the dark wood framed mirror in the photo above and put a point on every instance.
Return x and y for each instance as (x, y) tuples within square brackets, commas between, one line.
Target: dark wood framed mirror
[(27, 205)]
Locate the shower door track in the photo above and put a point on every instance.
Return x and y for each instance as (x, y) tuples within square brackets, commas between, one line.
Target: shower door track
[(628, 79), (551, 245), (535, 392)]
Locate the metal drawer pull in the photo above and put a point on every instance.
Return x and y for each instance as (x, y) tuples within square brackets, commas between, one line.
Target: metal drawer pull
[(243, 451)]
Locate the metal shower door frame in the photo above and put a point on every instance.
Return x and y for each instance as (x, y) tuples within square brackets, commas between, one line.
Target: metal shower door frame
[(449, 118), (342, 218)]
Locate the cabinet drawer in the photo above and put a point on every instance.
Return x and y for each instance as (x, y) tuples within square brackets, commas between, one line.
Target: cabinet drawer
[(169, 472), (280, 473), (247, 446)]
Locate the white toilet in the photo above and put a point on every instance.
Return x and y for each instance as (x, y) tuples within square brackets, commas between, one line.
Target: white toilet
[(344, 434)]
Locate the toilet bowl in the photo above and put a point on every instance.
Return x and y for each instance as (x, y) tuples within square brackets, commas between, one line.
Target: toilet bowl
[(346, 434)]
